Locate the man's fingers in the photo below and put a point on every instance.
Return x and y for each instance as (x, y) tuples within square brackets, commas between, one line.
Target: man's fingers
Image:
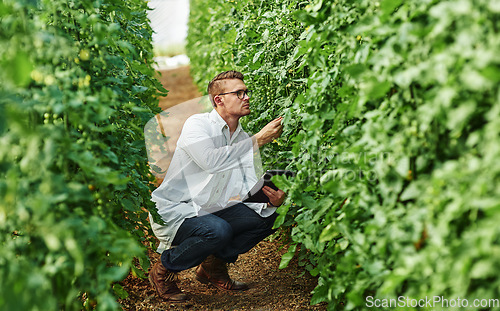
[(277, 120), (274, 193), (276, 197), (269, 132), (267, 193), (270, 192)]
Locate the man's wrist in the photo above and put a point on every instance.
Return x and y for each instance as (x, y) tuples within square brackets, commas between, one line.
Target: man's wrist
[(258, 140)]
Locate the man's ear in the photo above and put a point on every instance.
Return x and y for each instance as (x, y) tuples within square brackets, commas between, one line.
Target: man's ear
[(218, 100)]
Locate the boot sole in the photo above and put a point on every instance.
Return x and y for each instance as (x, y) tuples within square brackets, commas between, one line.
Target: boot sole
[(207, 281)]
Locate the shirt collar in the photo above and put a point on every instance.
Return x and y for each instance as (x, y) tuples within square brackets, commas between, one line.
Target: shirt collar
[(217, 119)]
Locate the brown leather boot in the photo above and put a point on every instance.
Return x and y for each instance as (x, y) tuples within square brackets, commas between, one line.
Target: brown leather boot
[(213, 270), (164, 283)]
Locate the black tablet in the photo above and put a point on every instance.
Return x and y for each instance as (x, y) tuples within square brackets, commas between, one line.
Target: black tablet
[(256, 195)]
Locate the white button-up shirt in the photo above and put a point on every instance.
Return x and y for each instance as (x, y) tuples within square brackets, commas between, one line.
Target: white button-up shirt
[(210, 170)]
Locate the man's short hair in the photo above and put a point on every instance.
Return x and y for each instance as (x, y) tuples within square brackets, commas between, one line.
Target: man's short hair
[(215, 86)]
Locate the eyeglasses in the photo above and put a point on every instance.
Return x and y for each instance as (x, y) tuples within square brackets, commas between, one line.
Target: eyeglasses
[(240, 93)]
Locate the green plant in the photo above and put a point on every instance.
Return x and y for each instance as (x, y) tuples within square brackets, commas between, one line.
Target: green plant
[(391, 123), (77, 88)]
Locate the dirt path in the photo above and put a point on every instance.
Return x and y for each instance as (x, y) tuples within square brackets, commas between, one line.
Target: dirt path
[(180, 87), (270, 287)]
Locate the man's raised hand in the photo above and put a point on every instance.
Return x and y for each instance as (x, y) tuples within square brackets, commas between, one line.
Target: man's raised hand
[(269, 132)]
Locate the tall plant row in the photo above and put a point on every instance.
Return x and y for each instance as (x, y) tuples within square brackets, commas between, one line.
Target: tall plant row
[(77, 88), (392, 124)]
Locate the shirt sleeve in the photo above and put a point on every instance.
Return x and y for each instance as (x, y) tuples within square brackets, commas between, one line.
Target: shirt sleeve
[(197, 142)]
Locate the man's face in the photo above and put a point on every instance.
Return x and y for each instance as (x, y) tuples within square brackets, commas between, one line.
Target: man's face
[(231, 104)]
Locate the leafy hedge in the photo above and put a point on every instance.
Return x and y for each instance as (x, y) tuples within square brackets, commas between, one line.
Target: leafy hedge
[(77, 88), (392, 123)]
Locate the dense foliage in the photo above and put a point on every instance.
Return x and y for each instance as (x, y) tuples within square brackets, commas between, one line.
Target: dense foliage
[(77, 88), (392, 124)]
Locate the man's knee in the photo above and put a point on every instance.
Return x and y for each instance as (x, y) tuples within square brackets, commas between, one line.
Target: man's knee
[(221, 233)]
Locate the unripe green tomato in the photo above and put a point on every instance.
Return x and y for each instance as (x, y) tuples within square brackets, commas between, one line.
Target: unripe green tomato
[(84, 54)]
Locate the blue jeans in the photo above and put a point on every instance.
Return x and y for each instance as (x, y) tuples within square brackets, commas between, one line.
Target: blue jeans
[(225, 234)]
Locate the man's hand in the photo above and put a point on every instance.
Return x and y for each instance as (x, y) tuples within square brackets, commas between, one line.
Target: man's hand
[(269, 132), (276, 197)]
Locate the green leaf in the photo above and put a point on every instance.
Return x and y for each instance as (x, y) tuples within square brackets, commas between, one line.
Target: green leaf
[(492, 73), (329, 233), (282, 212), (285, 259), (343, 243), (138, 272), (355, 71), (376, 89), (19, 68), (388, 6), (483, 269), (411, 192), (320, 293), (120, 291)]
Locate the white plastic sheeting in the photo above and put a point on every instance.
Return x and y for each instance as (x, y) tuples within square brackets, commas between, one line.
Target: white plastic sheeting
[(169, 21)]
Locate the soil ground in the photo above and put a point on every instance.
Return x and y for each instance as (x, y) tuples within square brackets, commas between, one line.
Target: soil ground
[(270, 288), (180, 87)]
